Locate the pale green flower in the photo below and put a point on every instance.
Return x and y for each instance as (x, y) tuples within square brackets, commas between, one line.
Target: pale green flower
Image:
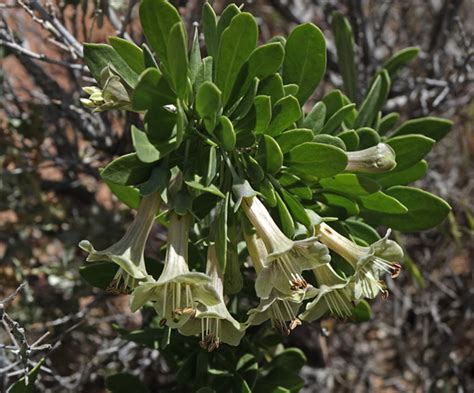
[(280, 308), (215, 323), (286, 258), (369, 263), (113, 95), (375, 159), (334, 295), (128, 251), (177, 290)]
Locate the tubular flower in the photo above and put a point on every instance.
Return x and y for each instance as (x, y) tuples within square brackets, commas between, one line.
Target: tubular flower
[(369, 263), (215, 323), (333, 295), (375, 159), (128, 251), (177, 290), (113, 95), (286, 258), (281, 309)]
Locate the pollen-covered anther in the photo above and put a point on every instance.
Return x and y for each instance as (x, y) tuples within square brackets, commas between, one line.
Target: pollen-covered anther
[(384, 290), (396, 269), (189, 311), (118, 286), (295, 323)]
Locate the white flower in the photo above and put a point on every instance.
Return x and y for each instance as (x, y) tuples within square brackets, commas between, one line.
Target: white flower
[(128, 251), (215, 323), (177, 290), (280, 308), (333, 295), (286, 258), (369, 263)]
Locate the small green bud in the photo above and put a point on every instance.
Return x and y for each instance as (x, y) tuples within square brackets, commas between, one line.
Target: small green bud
[(376, 159)]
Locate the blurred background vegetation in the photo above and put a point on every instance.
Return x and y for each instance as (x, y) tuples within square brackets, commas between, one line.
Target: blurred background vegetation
[(51, 197)]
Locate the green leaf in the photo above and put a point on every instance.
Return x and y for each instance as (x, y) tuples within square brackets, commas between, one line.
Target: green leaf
[(198, 183), (254, 170), (237, 43), (330, 140), (399, 59), (177, 55), (130, 196), (146, 151), (225, 134), (152, 91), (128, 51), (273, 87), (292, 138), (158, 18), (350, 184), (333, 101), (204, 73), (126, 170), (265, 60), (277, 380), (380, 202), (99, 56), (208, 104), (290, 359), (20, 386), (317, 160), (148, 57), (410, 149), (209, 28), (367, 137), (387, 122), (287, 223), (305, 59), (335, 120), (247, 101), (99, 274), (220, 233), (351, 207), (373, 102), (344, 40), (291, 89), (350, 139), (269, 154), (225, 19), (263, 111), (362, 312), (195, 59), (296, 208), (286, 111), (404, 176), (125, 383), (160, 125), (268, 192), (295, 185), (425, 210), (432, 127), (146, 91), (158, 181), (361, 230), (315, 119)]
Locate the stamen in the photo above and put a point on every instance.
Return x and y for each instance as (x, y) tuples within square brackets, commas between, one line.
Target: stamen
[(397, 268)]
